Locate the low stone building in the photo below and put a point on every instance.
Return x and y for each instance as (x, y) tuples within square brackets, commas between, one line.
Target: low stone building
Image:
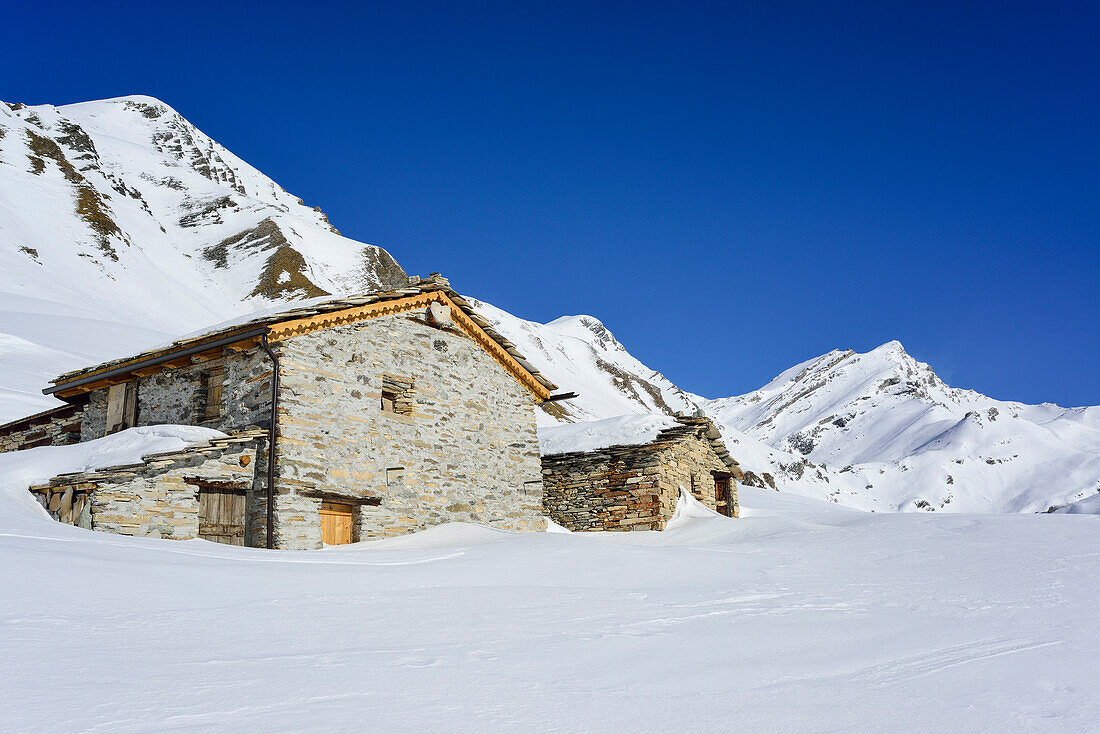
[(635, 485), (58, 426), (378, 414), (199, 491)]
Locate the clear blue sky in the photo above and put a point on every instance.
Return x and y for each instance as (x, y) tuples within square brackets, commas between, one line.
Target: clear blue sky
[(730, 189)]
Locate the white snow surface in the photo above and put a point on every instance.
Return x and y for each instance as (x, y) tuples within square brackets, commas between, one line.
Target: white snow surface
[(22, 469), (800, 616), (623, 430)]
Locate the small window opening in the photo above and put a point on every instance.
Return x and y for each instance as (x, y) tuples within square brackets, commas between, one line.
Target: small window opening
[(212, 384), (397, 395)]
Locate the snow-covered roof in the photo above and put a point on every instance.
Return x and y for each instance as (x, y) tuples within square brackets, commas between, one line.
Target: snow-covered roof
[(624, 431), (304, 310)]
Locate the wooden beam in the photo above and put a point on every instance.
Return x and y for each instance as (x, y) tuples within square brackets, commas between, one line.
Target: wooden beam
[(207, 356), (310, 324), (498, 352), (243, 346)]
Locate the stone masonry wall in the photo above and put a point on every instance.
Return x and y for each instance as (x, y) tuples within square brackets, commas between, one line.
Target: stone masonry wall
[(157, 497), (618, 488), (178, 396), (57, 427), (689, 465), (467, 451), (635, 487)]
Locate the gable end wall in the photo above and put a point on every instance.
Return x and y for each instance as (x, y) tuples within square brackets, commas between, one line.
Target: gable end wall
[(467, 452)]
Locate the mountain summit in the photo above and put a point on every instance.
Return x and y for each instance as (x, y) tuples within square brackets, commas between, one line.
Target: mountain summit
[(128, 189), (892, 432)]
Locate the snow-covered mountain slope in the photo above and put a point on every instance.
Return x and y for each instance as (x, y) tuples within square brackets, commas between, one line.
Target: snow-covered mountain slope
[(878, 431), (913, 442), (579, 354), (122, 224)]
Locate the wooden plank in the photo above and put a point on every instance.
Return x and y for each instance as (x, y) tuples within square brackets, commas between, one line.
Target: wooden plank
[(116, 398), (243, 346), (214, 381), (129, 405), (207, 356)]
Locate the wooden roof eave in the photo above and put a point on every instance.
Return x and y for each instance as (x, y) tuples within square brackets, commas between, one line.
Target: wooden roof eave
[(88, 382)]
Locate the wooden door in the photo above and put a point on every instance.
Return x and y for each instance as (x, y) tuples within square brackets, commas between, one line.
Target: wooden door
[(722, 494), (221, 516), (336, 523)]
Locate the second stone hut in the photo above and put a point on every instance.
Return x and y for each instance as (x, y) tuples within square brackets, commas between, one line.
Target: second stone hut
[(626, 473)]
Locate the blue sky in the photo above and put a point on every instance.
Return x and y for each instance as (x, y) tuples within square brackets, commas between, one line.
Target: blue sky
[(730, 189)]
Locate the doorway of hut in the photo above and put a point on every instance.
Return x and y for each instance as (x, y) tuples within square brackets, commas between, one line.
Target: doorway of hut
[(722, 492), (336, 523), (222, 515)]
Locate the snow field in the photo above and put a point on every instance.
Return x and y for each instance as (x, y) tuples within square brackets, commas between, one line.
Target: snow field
[(801, 616)]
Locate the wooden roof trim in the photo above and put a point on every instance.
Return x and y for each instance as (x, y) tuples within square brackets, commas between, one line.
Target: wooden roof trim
[(310, 324), (496, 350)]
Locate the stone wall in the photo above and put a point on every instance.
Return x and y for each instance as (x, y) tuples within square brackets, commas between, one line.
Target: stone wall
[(467, 451), (59, 426), (178, 396), (158, 497), (635, 487), (618, 488)]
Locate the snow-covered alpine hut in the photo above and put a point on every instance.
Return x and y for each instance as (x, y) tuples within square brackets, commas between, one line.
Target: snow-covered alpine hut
[(626, 473), (346, 418)]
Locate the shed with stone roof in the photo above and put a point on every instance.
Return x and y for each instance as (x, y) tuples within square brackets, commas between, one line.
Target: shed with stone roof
[(635, 485), (389, 412)]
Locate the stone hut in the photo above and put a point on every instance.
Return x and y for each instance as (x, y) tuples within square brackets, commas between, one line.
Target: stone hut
[(634, 485), (58, 426), (347, 419)]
